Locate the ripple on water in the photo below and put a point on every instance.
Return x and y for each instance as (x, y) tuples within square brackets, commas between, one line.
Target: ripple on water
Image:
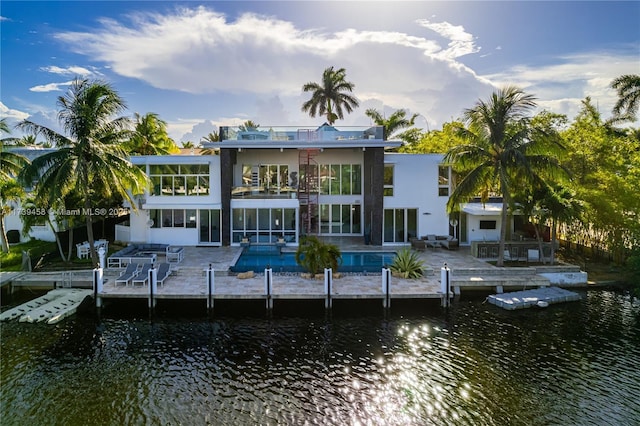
[(569, 364)]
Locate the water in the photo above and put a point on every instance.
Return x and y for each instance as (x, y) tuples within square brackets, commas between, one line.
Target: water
[(260, 257), (571, 364)]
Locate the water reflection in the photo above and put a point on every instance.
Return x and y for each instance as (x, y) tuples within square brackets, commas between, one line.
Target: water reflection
[(476, 365)]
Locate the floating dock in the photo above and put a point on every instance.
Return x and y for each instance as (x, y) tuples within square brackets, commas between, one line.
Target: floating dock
[(540, 297), (51, 308)]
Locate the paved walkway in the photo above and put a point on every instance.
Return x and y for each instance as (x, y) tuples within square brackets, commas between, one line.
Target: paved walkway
[(188, 279)]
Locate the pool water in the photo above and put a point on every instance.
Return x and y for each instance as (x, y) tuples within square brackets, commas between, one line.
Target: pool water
[(258, 258)]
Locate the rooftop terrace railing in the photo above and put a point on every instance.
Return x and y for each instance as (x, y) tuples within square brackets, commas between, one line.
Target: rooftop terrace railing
[(322, 133)]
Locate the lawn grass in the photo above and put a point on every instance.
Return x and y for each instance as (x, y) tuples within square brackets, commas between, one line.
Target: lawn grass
[(12, 261)]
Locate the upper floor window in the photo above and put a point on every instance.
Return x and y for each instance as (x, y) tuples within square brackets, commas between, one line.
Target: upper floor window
[(443, 180), (340, 179), (179, 179), (388, 180), (265, 175)]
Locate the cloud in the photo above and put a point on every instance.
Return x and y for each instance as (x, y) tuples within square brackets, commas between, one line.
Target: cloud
[(563, 85), (72, 70), (12, 114), (200, 51), (4, 18), (51, 87)]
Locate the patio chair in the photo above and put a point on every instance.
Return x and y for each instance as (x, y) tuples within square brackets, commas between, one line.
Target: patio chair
[(164, 270), (431, 241), (83, 251), (143, 275), (418, 244), (128, 274)]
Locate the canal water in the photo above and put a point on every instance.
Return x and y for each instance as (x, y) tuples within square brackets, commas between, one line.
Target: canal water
[(571, 364)]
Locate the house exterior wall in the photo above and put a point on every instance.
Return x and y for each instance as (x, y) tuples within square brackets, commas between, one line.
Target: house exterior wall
[(416, 187), (477, 234)]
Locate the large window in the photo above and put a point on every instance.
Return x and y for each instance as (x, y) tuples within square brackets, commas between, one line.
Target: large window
[(340, 219), (265, 175), (263, 225), (179, 179), (173, 218), (340, 179), (388, 180)]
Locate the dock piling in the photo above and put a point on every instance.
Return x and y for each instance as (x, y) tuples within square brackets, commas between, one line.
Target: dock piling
[(386, 288), (445, 285), (98, 282), (268, 284), (210, 288), (328, 277), (153, 288)]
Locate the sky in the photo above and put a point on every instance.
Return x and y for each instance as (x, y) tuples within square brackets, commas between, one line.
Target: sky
[(200, 65)]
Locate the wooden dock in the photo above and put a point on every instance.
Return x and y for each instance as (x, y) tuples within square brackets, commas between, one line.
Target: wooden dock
[(540, 297)]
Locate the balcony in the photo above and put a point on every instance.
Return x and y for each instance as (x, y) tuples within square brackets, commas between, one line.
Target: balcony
[(246, 192)]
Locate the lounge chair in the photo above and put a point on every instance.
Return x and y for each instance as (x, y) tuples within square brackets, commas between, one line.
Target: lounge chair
[(128, 274), (418, 244), (164, 270), (143, 276)]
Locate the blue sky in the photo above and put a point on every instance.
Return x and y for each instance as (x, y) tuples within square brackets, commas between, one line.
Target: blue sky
[(203, 64)]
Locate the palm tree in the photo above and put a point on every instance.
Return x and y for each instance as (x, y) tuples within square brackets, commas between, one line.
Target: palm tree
[(329, 97), (10, 162), (150, 137), (91, 159), (188, 144), (396, 121), (11, 193), (562, 206), (628, 87), (314, 255), (248, 126), (214, 136), (503, 152)]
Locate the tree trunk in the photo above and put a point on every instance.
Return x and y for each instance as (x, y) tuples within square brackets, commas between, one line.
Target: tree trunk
[(540, 248), (89, 221), (503, 233), (554, 237), (70, 242), (5, 240)]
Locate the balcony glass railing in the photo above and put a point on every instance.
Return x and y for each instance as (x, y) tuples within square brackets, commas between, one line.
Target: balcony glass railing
[(263, 192), (322, 133)]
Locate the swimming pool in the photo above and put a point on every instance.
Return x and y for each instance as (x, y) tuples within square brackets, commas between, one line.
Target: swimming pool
[(257, 258)]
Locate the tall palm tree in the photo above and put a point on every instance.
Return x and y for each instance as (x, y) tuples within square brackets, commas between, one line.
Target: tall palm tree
[(150, 137), (331, 96), (628, 87), (396, 121), (11, 193), (90, 159), (503, 151), (562, 206)]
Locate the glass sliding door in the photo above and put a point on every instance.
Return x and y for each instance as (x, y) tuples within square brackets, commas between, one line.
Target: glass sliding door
[(209, 226), (399, 225)]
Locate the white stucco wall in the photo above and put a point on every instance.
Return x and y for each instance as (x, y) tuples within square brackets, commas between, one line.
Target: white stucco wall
[(416, 186)]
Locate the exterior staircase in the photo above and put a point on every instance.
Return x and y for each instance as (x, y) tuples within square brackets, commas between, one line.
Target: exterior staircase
[(308, 191)]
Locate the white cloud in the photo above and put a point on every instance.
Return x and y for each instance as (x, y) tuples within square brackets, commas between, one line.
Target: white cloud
[(72, 70), (12, 114), (562, 86), (200, 51), (51, 87), (4, 18)]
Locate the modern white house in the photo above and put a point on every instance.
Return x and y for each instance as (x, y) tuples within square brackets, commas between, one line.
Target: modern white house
[(278, 184)]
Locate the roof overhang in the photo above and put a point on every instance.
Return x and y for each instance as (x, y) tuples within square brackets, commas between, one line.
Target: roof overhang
[(480, 209)]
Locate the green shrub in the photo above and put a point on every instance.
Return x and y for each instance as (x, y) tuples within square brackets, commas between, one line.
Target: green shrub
[(407, 264), (314, 255)]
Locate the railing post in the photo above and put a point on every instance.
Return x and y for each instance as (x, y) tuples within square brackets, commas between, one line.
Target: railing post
[(328, 277)]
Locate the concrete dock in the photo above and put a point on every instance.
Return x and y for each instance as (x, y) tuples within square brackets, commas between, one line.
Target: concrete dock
[(535, 297)]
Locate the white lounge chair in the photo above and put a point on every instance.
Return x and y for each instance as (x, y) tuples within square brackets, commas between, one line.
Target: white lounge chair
[(143, 275), (128, 274)]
